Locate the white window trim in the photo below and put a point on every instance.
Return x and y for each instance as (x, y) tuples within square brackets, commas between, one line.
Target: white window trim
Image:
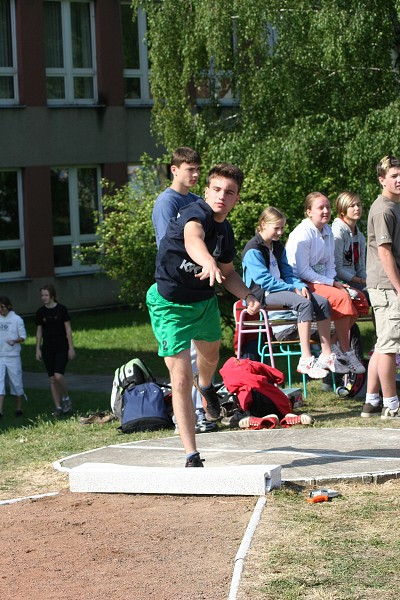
[(12, 71), (143, 73), (69, 72), (75, 239), (16, 244)]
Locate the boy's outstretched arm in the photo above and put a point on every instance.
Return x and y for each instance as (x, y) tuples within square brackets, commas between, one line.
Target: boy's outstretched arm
[(197, 250)]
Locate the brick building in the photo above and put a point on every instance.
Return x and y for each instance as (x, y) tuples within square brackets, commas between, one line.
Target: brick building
[(74, 107)]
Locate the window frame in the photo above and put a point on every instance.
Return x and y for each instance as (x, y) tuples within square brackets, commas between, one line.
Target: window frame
[(75, 239), (68, 71), (143, 73), (13, 70), (16, 244)]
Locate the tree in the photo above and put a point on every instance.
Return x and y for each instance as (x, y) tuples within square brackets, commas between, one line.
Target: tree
[(316, 83), (126, 248)]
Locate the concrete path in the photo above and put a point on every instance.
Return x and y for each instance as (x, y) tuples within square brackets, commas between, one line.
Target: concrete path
[(87, 383)]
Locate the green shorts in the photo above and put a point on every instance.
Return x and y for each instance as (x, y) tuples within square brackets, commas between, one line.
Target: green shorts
[(176, 325)]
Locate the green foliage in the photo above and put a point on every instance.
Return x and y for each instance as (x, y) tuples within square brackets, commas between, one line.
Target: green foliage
[(317, 83), (126, 249)]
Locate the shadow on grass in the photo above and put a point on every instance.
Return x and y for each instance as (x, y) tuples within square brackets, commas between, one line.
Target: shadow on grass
[(40, 407)]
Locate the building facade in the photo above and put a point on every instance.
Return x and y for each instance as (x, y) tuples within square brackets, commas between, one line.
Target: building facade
[(74, 108)]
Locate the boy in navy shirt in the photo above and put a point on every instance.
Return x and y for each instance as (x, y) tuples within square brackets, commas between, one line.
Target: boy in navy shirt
[(196, 252)]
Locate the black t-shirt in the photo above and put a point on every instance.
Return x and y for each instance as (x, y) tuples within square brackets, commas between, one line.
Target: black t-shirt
[(175, 270), (52, 322)]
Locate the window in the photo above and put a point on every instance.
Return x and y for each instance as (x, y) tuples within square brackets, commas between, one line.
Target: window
[(12, 259), (215, 85), (70, 52), (75, 194), (136, 69), (8, 69)]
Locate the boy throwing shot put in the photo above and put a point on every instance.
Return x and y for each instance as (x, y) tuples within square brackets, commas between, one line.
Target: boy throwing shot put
[(196, 252)]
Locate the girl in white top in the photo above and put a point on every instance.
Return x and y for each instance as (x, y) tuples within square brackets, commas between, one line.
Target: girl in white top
[(311, 253), (12, 334)]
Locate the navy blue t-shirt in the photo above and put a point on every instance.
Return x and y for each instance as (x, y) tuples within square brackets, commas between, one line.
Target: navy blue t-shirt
[(175, 270)]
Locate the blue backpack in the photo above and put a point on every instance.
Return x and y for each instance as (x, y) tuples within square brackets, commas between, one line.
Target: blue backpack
[(144, 408)]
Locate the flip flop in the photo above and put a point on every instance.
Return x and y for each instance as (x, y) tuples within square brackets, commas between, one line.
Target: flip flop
[(290, 419), (267, 422)]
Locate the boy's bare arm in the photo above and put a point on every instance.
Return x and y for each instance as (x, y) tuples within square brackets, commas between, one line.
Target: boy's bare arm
[(197, 250), (389, 265)]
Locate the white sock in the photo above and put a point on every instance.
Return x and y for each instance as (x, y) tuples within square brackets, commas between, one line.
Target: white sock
[(391, 403), (373, 399)]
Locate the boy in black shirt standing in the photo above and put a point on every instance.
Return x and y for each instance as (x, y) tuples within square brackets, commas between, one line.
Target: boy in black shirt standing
[(196, 251)]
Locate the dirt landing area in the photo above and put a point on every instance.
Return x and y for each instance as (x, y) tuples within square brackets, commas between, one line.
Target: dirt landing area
[(114, 547)]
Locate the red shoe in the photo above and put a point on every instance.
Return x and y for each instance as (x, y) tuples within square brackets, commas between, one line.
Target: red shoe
[(290, 419), (268, 422)]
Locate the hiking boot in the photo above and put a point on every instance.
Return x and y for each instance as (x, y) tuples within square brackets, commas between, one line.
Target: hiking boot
[(66, 404), (194, 461), (58, 412), (213, 406), (290, 419), (355, 366), (310, 367), (369, 410), (388, 413), (332, 363)]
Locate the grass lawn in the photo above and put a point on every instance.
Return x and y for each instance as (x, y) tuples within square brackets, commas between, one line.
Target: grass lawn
[(347, 548)]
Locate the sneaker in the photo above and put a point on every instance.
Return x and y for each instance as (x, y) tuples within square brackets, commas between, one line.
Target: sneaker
[(332, 363), (336, 349), (213, 407), (369, 410), (310, 367), (99, 418), (267, 422), (388, 413), (355, 366), (234, 418), (58, 412), (204, 426), (290, 419), (66, 404), (19, 413), (194, 461)]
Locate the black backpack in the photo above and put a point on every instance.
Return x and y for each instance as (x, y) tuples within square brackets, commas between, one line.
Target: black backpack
[(144, 408)]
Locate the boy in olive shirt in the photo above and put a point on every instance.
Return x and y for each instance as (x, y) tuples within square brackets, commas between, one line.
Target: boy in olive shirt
[(383, 284)]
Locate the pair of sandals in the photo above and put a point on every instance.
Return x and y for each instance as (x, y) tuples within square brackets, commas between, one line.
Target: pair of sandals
[(272, 421)]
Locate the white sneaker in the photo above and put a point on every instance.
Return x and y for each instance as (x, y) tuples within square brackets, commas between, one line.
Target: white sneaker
[(336, 349), (332, 363), (310, 367), (355, 366)]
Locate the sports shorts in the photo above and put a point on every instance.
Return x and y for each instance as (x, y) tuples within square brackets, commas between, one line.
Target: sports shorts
[(176, 325), (55, 359), (386, 305)]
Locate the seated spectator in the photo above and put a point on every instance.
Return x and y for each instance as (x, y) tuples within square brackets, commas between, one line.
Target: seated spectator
[(268, 275), (350, 249), (311, 253)]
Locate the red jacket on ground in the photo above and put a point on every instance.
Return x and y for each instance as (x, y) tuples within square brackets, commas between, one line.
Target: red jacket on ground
[(242, 376)]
